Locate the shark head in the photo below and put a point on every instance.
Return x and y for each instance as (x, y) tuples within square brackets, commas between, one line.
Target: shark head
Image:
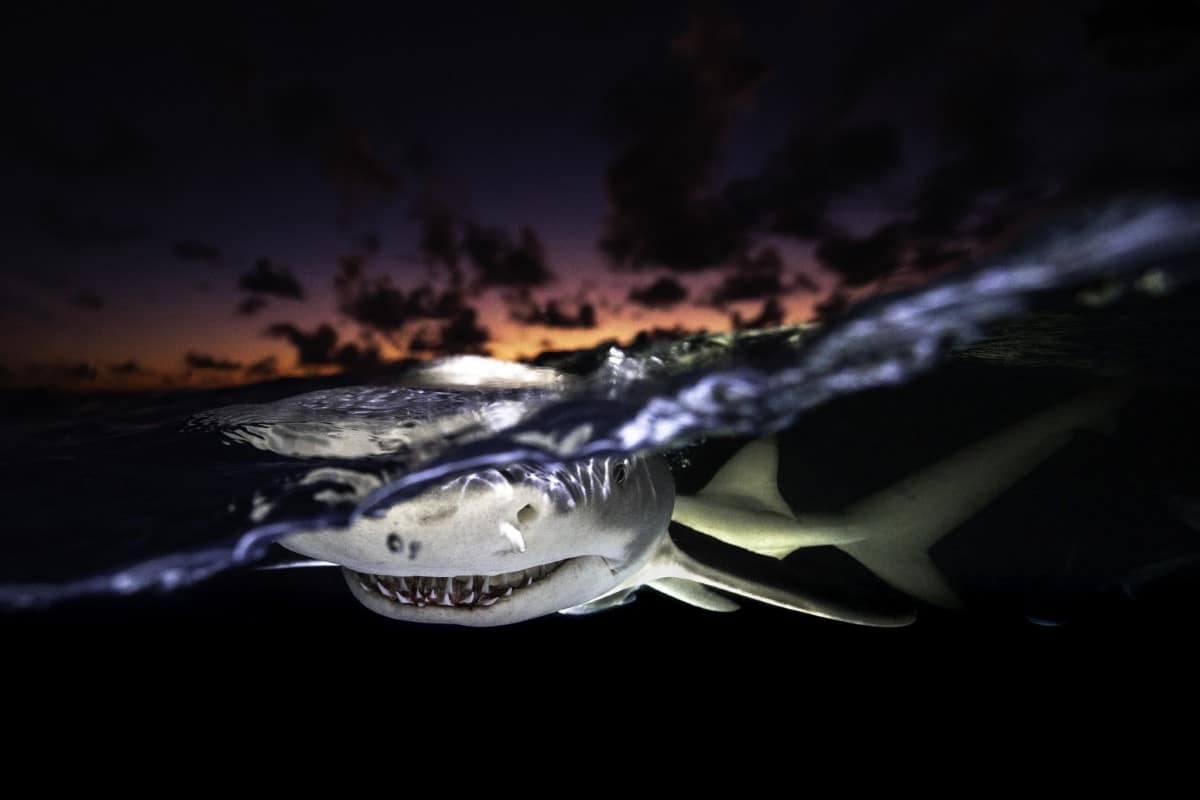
[(504, 545)]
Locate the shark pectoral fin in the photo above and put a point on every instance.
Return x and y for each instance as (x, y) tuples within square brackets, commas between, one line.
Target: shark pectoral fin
[(615, 600), (694, 594), (742, 506), (902, 522), (731, 569)]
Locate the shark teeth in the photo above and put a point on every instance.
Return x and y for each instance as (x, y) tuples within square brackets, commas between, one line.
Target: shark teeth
[(472, 591)]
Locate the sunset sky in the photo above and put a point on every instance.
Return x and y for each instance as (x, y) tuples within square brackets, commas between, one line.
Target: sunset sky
[(192, 196)]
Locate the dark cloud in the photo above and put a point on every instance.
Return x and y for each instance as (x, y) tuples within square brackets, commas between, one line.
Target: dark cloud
[(649, 336), (1061, 126), (196, 360), (309, 120), (672, 121), (945, 200), (771, 316), (195, 251), (272, 279), (263, 368), (439, 238), (320, 347), (528, 312), (669, 120), (379, 307), (931, 256), (859, 261), (753, 278), (312, 348), (837, 302), (251, 305), (353, 356), (988, 148), (991, 141), (448, 239), (462, 334), (80, 229), (803, 282), (89, 300), (131, 367), (991, 170), (927, 243), (663, 293), (501, 262), (793, 192), (440, 225)]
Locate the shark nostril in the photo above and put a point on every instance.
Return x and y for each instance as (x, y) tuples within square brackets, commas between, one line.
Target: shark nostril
[(527, 514)]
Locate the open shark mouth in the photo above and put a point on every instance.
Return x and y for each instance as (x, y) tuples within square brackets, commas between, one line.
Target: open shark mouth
[(474, 591)]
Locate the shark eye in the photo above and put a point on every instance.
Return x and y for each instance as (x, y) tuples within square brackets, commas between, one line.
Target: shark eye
[(620, 473)]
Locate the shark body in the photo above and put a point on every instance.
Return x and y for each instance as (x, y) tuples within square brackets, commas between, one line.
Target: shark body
[(503, 546), (890, 532)]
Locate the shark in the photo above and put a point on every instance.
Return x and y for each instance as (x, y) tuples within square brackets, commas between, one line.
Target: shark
[(502, 546), (891, 531)]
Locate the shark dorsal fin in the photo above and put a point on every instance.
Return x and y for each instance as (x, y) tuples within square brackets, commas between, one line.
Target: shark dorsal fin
[(749, 479)]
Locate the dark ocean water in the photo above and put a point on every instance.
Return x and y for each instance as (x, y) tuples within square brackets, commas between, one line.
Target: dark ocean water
[(150, 512)]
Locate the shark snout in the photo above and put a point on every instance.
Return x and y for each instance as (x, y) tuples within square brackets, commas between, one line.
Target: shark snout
[(519, 517), (518, 513)]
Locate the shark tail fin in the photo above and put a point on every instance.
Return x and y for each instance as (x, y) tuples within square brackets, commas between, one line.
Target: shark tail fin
[(902, 522)]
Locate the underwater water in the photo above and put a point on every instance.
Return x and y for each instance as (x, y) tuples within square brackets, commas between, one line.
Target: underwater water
[(157, 510)]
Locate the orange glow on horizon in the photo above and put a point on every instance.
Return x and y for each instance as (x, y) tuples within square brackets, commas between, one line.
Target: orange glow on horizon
[(160, 364)]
